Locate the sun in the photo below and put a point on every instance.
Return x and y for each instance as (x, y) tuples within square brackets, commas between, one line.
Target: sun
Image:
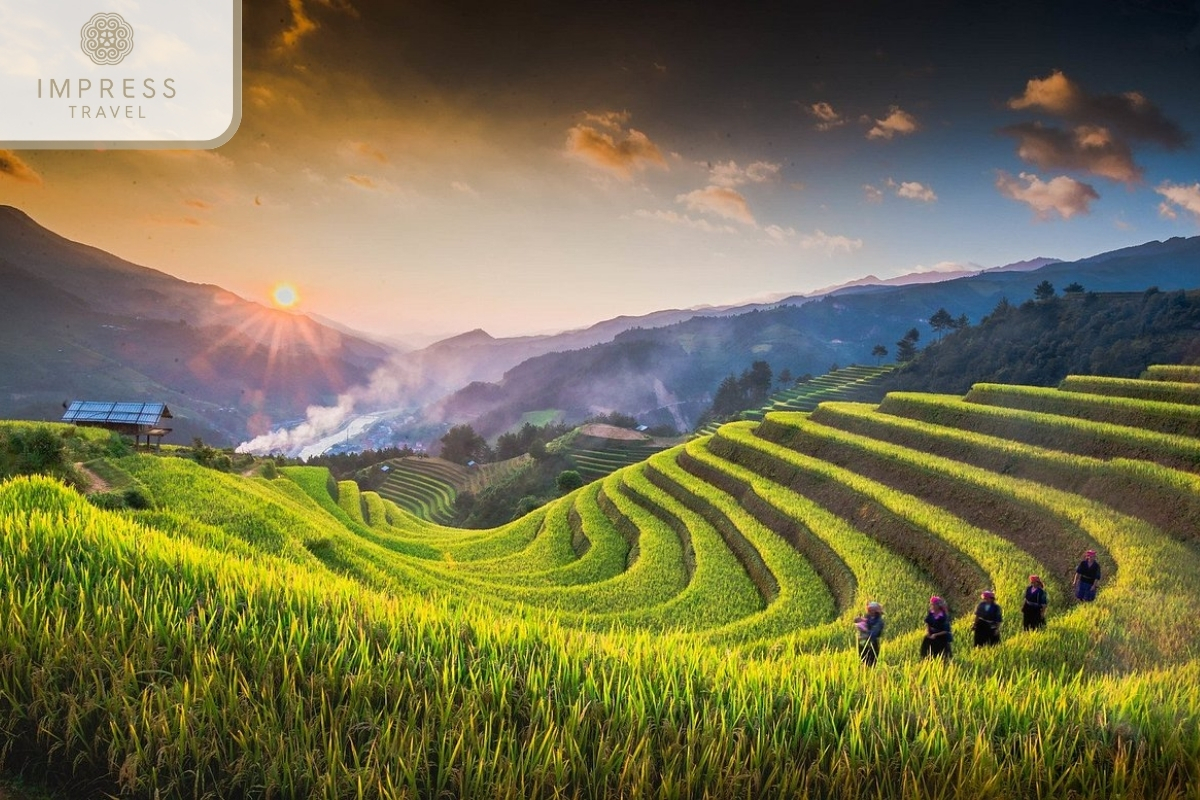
[(285, 295)]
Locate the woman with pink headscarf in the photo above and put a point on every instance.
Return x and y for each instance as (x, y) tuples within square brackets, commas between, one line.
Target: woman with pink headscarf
[(938, 635), (1033, 609)]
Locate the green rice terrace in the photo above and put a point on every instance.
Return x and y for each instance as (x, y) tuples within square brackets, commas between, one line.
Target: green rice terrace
[(597, 450), (426, 487), (680, 627), (855, 382)]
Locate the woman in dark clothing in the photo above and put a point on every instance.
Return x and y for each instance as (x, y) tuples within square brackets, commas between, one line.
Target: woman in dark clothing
[(938, 636), (870, 628), (1033, 610), (987, 620), (1087, 577)]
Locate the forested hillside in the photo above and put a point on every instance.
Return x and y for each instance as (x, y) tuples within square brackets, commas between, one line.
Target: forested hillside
[(1040, 342)]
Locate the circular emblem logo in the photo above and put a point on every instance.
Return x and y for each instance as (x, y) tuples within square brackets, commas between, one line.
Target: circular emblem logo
[(106, 38)]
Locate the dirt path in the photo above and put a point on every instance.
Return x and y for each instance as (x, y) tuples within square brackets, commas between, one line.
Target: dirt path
[(95, 483)]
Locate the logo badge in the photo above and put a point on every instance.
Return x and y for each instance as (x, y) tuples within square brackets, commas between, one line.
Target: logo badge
[(158, 74), (106, 38)]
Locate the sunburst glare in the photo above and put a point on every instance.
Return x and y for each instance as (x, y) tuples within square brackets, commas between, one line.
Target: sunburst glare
[(285, 295)]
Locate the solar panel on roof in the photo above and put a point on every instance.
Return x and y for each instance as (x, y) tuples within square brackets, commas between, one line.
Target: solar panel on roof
[(121, 413)]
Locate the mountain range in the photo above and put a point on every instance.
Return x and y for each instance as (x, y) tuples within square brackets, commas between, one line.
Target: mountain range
[(79, 323), (667, 374)]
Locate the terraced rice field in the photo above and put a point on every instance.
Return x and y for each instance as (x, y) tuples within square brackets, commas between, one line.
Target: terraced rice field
[(595, 456), (854, 382), (427, 487), (681, 627)]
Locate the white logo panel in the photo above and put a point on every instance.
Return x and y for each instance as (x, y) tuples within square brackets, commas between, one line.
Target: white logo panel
[(134, 74)]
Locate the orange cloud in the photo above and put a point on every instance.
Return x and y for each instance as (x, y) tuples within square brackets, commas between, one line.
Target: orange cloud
[(197, 203), (363, 181), (719, 200), (1087, 148), (13, 167), (1130, 114), (827, 118), (1062, 195), (303, 24), (897, 122), (368, 150), (602, 141), (261, 96), (1057, 94)]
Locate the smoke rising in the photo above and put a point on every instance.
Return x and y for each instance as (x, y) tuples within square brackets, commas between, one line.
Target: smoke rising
[(391, 385)]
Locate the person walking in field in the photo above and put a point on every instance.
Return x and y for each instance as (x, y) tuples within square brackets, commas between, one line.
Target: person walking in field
[(1033, 610), (870, 629), (938, 636), (988, 618), (1087, 578)]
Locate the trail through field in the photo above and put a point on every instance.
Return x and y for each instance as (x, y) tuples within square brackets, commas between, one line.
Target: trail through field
[(96, 485)]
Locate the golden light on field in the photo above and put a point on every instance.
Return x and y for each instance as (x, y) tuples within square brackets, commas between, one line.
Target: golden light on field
[(285, 295)]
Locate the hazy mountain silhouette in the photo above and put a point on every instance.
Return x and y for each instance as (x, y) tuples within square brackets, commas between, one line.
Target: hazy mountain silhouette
[(667, 374), (76, 322)]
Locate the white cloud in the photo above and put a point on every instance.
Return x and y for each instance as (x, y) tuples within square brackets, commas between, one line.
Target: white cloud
[(1062, 195), (730, 174), (779, 235), (897, 122), (719, 200), (1185, 197), (909, 190), (819, 240), (465, 188), (675, 218), (916, 191)]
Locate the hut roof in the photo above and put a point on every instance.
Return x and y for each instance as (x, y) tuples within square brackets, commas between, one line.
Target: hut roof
[(141, 417)]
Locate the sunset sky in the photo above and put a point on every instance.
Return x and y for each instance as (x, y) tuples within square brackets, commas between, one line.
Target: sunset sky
[(424, 168)]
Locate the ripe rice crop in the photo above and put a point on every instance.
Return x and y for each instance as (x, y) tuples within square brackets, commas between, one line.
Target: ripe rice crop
[(679, 629)]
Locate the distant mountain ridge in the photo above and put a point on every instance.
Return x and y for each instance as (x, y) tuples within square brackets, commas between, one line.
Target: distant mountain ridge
[(79, 323), (667, 374), (449, 364)]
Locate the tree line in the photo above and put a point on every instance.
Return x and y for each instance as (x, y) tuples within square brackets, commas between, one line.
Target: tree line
[(1050, 336)]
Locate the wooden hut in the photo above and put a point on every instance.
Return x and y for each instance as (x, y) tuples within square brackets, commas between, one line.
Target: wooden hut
[(131, 419)]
